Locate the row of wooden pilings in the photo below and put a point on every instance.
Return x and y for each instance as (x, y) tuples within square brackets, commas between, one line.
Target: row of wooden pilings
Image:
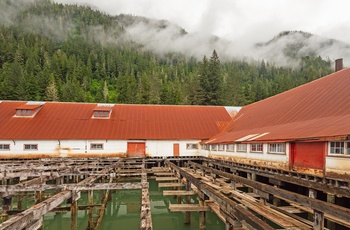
[(70, 192)]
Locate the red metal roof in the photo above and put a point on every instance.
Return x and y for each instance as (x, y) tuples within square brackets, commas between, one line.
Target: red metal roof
[(103, 108), (29, 106), (318, 109), (74, 121)]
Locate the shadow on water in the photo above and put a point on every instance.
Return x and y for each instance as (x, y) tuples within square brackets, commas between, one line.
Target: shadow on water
[(123, 212)]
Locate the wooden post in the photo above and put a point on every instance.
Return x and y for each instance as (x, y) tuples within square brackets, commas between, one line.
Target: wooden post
[(179, 198), (330, 199), (74, 209), (188, 201), (318, 216), (19, 203), (73, 215), (91, 202), (276, 201), (249, 177), (38, 197), (202, 224), (6, 206), (228, 226)]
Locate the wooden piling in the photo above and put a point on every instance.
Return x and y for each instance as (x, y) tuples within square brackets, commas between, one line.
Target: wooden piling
[(188, 201)]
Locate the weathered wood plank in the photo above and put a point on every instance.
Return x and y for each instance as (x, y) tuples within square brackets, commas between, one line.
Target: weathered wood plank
[(163, 174), (146, 218), (164, 185), (178, 193), (167, 178), (78, 187), (188, 208)]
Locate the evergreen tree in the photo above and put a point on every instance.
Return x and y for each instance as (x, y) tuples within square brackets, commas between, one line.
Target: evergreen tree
[(211, 80)]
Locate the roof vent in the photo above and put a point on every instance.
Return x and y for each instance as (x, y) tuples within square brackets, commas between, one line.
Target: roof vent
[(338, 64)]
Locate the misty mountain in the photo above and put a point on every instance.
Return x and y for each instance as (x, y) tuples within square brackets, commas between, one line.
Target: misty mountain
[(285, 49), (51, 51), (291, 46), (161, 36)]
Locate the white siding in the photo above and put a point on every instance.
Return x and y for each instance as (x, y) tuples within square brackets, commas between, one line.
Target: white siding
[(263, 156), (159, 148), (64, 148), (336, 164)]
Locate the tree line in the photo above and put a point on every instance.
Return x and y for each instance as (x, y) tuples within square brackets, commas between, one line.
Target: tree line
[(35, 66)]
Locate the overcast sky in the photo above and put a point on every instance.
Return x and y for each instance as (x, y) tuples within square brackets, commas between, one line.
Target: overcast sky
[(257, 20)]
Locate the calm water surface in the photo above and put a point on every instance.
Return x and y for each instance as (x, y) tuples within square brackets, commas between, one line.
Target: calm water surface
[(123, 212)]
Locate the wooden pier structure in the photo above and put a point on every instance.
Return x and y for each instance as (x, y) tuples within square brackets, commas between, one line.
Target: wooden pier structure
[(243, 196)]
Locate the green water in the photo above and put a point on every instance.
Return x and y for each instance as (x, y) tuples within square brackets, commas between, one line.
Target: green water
[(123, 212)]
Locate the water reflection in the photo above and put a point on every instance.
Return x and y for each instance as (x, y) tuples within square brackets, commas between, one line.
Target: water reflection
[(123, 212)]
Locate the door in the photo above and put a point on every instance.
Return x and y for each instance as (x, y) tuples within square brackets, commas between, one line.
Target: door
[(308, 155), (136, 149), (176, 150)]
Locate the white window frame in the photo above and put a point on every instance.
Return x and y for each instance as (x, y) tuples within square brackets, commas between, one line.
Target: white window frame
[(341, 148), (239, 149), (101, 114), (230, 147), (214, 147), (256, 146), (221, 147), (191, 146), (96, 146), (2, 147), (277, 148), (28, 147)]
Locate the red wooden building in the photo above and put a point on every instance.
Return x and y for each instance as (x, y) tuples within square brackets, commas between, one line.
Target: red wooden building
[(306, 128)]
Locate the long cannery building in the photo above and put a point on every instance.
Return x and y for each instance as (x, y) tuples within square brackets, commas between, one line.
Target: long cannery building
[(280, 163)]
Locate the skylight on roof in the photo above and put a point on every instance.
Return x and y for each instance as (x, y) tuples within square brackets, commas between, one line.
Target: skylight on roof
[(28, 110), (103, 111)]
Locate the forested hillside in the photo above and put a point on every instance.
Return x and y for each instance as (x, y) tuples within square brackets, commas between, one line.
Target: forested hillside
[(58, 52)]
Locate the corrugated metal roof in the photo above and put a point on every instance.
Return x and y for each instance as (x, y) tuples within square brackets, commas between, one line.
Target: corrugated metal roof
[(29, 106), (103, 108), (318, 109), (74, 121)]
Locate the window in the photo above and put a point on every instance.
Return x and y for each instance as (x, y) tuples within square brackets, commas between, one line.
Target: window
[(230, 147), (30, 147), (96, 146), (256, 148), (241, 147), (214, 147), (101, 113), (4, 147), (277, 148), (339, 147), (24, 112), (191, 146), (205, 147), (221, 147)]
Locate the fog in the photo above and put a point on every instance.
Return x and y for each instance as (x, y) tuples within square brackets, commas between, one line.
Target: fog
[(240, 24), (231, 27)]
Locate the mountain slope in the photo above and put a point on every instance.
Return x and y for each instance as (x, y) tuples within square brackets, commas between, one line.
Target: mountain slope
[(290, 46)]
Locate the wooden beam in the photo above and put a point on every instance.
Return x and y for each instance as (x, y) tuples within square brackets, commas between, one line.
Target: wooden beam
[(36, 212), (178, 193), (146, 218), (229, 206), (167, 178), (161, 174), (188, 208), (164, 185), (80, 187), (335, 212)]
